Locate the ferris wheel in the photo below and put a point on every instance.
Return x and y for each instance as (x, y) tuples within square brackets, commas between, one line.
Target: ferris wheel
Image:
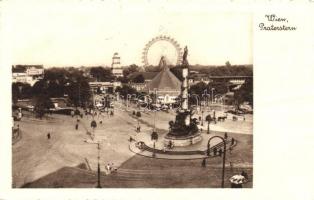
[(162, 46)]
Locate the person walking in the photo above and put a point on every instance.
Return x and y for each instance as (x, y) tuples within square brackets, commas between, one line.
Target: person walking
[(204, 162), (72, 113), (76, 126), (48, 136)]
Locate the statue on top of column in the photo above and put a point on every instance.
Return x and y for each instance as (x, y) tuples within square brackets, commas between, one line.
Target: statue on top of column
[(185, 55)]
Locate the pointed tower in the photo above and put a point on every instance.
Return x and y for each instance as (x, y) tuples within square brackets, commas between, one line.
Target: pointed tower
[(116, 65)]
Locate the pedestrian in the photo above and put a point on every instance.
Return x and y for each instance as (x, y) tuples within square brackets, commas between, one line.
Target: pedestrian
[(244, 174), (230, 150), (215, 151), (100, 121), (72, 113), (232, 141), (220, 152), (48, 136), (113, 168), (109, 167), (76, 126), (204, 163)]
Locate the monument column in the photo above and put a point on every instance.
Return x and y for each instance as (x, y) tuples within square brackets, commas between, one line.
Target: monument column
[(184, 89)]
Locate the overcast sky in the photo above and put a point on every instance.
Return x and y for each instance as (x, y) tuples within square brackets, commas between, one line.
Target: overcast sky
[(88, 33)]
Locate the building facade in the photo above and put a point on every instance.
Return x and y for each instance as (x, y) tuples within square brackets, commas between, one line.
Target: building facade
[(27, 73)]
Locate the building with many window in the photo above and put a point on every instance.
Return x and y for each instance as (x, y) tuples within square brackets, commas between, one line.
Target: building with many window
[(27, 73)]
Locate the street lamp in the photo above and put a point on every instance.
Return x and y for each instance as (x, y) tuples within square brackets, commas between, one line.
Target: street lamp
[(212, 95), (223, 159), (154, 137), (202, 123), (208, 119), (98, 169)]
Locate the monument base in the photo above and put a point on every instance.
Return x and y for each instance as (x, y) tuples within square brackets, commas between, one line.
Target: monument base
[(181, 141)]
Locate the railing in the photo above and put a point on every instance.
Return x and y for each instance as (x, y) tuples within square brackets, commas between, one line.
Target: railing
[(196, 152)]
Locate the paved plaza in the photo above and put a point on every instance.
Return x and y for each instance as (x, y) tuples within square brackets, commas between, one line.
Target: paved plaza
[(36, 157)]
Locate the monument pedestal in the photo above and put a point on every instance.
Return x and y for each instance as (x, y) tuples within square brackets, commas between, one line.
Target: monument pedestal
[(181, 141)]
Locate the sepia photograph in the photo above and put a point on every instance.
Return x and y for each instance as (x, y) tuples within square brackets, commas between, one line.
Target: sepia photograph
[(117, 96)]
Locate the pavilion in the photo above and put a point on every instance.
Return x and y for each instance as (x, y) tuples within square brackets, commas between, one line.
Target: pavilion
[(165, 85)]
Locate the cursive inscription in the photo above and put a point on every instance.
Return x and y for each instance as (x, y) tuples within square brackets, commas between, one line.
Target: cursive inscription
[(276, 23)]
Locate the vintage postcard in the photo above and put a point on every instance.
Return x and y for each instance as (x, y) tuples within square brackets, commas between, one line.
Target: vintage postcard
[(149, 95)]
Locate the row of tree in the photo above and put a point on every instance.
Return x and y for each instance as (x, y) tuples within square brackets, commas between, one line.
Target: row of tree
[(57, 82), (241, 95)]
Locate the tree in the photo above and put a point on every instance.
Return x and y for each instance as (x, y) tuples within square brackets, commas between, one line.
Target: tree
[(151, 68), (228, 64), (102, 74), (208, 119), (177, 71), (228, 70), (129, 70), (139, 79), (42, 105), (39, 88), (244, 93), (197, 91), (79, 92), (21, 91), (198, 88), (126, 90), (55, 89), (220, 87), (154, 136)]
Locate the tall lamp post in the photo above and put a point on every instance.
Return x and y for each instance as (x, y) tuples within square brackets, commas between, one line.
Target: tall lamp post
[(212, 95), (223, 159), (98, 169), (202, 123)]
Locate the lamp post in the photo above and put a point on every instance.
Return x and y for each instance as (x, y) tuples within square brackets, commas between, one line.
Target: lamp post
[(202, 123), (154, 137), (212, 95), (208, 119), (98, 169), (223, 159)]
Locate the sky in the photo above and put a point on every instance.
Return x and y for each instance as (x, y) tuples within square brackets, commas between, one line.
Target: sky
[(88, 33)]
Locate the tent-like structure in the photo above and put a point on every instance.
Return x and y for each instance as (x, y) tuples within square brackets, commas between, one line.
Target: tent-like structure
[(166, 85)]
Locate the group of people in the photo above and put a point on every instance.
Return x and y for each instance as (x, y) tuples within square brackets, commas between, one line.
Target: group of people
[(110, 168), (170, 145)]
